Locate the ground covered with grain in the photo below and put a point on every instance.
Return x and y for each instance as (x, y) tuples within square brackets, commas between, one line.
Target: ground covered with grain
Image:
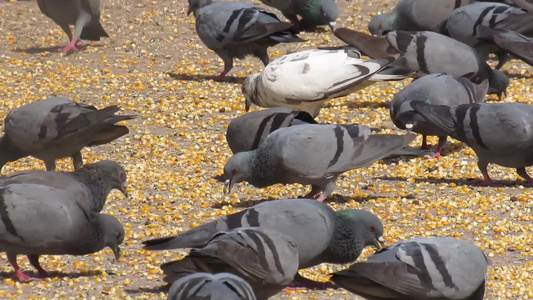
[(155, 66)]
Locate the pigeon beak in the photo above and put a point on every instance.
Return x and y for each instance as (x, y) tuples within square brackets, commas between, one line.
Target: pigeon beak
[(116, 251), (189, 10), (122, 189), (409, 127), (247, 104), (227, 186), (332, 25), (380, 243)]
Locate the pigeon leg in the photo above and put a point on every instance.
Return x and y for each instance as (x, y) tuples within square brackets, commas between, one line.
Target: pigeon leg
[(228, 65), (77, 161), (440, 145), (486, 178), (12, 258), (424, 143), (34, 261), (522, 172), (50, 165)]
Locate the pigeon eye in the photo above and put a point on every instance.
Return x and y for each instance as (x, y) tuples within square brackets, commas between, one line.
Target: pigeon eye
[(121, 175), (371, 228), (234, 171)]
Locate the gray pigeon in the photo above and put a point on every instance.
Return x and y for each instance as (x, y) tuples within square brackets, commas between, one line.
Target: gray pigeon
[(297, 80), (428, 52), (206, 286), (438, 89), (248, 131), (499, 133), (38, 220), (312, 12), (55, 128), (84, 14), (463, 25), (311, 154), (238, 28), (266, 259), (414, 15), (338, 236), (90, 185), (422, 269)]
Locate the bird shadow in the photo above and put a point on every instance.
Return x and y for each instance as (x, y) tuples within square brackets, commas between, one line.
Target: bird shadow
[(228, 79), (6, 275), (40, 50), (154, 290), (473, 182)]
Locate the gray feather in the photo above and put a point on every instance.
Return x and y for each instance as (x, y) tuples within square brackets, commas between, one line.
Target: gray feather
[(422, 268), (221, 286)]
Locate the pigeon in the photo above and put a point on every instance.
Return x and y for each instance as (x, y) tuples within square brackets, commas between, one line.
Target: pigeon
[(421, 268), (266, 259), (338, 236), (207, 286), (428, 52), (90, 185), (55, 128), (297, 80), (463, 25), (499, 133), (312, 12), (38, 219), (441, 89), (238, 28), (84, 14), (248, 131), (414, 15), (311, 154)]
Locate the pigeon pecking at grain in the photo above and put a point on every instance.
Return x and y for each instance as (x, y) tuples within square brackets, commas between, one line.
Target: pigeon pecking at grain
[(439, 89), (266, 259), (414, 15), (420, 268), (499, 133), (90, 185), (55, 128), (84, 14), (297, 80), (312, 154), (38, 219), (234, 29), (465, 22), (428, 53), (338, 236), (313, 13), (211, 286)]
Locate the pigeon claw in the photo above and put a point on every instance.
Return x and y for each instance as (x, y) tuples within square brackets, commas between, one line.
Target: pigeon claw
[(22, 277)]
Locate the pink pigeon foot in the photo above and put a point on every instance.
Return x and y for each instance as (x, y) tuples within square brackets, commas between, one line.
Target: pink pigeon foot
[(72, 47), (436, 155), (321, 198), (220, 77), (23, 277)]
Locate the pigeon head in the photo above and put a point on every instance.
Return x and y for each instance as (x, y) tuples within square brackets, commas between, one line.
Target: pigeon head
[(113, 173), (250, 92), (498, 83), (367, 226), (113, 233), (197, 4), (8, 152), (237, 170), (329, 12), (381, 24)]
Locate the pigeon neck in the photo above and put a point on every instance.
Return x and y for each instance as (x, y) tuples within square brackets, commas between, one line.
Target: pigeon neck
[(90, 240), (262, 168), (98, 184), (346, 245)]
